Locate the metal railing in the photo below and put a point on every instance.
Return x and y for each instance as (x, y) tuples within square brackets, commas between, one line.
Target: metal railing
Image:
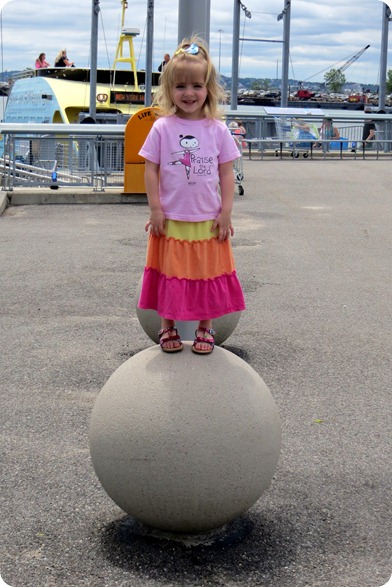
[(78, 155), (41, 155), (263, 136), (261, 125), (318, 149)]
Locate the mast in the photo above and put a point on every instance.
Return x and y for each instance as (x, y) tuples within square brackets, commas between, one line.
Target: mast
[(149, 50), (94, 51), (126, 38)]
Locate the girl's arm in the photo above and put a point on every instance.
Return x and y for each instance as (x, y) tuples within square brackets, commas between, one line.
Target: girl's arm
[(157, 216), (223, 220)]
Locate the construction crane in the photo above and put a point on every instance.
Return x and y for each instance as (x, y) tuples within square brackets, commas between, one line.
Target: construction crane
[(305, 94), (337, 72), (353, 58), (340, 69)]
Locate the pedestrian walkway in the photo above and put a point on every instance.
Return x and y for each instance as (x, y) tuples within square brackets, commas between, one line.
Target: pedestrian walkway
[(312, 246)]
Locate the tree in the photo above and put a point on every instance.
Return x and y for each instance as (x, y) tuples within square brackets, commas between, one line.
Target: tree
[(389, 81), (265, 84), (335, 80), (261, 84)]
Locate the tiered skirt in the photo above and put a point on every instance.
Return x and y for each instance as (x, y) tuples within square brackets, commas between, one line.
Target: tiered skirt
[(189, 274)]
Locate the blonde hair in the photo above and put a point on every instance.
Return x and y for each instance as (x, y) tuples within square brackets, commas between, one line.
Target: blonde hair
[(62, 53), (183, 66)]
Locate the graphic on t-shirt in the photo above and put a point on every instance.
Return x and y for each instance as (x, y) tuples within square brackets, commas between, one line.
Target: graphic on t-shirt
[(189, 144)]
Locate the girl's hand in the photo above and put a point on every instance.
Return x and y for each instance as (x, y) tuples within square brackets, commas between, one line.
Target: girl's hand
[(223, 220), (156, 223), (223, 223)]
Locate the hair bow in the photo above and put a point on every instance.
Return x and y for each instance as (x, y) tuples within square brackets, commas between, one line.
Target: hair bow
[(191, 49)]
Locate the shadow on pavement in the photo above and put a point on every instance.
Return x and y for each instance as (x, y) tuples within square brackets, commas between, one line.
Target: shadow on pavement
[(250, 545)]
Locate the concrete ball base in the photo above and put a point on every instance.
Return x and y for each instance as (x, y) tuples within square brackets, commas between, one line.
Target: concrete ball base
[(183, 442), (150, 321)]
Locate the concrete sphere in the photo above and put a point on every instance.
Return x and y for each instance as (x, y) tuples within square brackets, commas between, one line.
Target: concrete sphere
[(183, 442), (151, 324)]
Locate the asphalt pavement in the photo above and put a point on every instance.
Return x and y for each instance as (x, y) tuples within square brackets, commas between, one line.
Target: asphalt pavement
[(313, 251)]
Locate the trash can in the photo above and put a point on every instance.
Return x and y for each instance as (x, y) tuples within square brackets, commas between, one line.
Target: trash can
[(136, 131)]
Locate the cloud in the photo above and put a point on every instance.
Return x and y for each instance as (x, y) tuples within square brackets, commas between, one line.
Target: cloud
[(323, 33)]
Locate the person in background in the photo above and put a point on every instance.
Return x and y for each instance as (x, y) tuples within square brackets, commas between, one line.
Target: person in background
[(241, 127), (369, 132), (40, 61), (381, 132), (62, 60), (242, 131), (235, 132), (166, 59), (329, 132)]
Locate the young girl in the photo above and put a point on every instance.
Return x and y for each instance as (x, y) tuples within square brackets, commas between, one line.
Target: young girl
[(190, 272)]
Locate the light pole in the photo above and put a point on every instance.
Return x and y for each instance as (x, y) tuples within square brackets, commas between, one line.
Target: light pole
[(194, 16), (94, 51), (285, 16), (386, 17), (220, 31), (149, 49), (236, 50)]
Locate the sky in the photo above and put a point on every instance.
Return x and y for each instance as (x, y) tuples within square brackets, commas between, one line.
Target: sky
[(324, 35)]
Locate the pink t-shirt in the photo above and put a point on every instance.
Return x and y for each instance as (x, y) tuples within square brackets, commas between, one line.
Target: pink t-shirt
[(39, 65), (188, 153)]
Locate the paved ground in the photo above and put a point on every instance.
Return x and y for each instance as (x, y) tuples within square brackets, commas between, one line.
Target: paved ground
[(313, 250)]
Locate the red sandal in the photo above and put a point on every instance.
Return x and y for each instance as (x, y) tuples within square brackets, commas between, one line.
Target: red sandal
[(170, 338), (202, 339)]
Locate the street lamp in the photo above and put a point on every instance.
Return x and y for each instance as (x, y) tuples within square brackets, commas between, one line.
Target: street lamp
[(220, 31), (285, 16), (236, 50), (386, 17)]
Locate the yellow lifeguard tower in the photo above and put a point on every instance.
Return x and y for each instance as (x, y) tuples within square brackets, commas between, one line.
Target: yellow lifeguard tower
[(126, 39)]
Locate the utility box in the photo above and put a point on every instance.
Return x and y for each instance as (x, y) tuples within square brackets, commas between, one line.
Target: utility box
[(136, 131)]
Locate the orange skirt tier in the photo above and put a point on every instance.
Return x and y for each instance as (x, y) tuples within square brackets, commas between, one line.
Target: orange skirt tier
[(189, 274)]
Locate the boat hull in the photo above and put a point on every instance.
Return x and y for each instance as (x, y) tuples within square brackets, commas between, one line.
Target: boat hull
[(62, 95)]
